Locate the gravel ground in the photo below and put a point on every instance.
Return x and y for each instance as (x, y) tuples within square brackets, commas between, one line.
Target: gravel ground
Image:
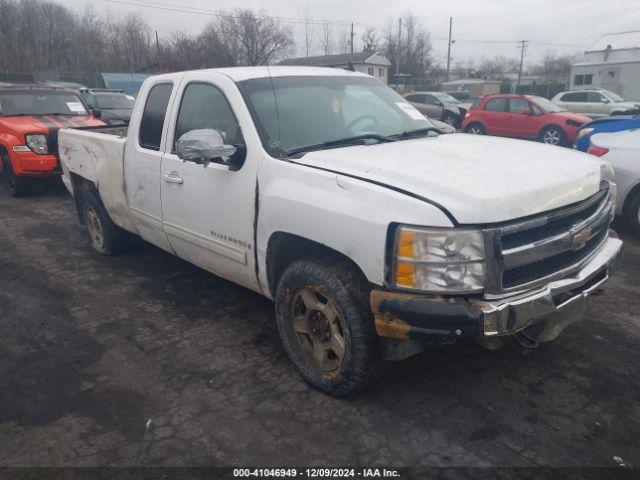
[(143, 359)]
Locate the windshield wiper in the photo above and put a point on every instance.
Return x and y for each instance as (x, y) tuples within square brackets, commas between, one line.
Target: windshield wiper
[(357, 139), (419, 131)]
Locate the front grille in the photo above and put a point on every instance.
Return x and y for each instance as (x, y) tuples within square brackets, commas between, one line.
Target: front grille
[(529, 253), (549, 266)]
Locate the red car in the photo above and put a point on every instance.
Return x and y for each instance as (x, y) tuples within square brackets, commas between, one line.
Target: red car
[(523, 116), (30, 117)]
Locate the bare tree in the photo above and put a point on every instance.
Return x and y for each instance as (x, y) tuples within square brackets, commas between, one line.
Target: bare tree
[(410, 48), (327, 37), (370, 39), (344, 40)]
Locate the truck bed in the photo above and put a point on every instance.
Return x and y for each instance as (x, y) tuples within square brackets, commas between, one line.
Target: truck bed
[(96, 154)]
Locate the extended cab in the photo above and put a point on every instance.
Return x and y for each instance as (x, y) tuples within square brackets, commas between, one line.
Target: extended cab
[(327, 192), (30, 117)]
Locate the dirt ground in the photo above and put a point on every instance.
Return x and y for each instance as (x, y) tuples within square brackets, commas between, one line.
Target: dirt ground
[(143, 359)]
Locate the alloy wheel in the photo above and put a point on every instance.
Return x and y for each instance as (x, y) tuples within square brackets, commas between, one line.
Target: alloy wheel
[(318, 329), (95, 227), (552, 137)]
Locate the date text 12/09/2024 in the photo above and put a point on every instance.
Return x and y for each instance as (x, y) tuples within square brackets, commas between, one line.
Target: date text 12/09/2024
[(317, 472)]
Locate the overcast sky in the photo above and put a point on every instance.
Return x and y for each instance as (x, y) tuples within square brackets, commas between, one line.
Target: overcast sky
[(575, 24)]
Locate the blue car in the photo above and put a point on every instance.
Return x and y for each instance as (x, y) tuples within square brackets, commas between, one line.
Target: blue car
[(616, 123)]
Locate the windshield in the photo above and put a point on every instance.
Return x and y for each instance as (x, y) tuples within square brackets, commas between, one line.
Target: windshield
[(113, 101), (445, 98), (614, 97), (300, 111), (40, 102), (547, 105)]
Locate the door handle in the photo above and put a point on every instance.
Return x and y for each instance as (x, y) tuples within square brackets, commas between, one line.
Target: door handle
[(173, 178)]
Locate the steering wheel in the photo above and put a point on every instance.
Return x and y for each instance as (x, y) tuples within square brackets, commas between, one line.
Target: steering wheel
[(371, 118)]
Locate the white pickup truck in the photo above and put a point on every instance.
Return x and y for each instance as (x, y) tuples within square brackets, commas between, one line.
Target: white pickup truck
[(327, 192)]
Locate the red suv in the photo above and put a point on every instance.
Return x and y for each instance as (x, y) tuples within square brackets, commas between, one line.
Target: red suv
[(523, 116), (30, 117)]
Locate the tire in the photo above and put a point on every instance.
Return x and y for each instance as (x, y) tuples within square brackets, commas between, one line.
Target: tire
[(16, 186), (333, 343), (450, 119), (475, 129), (632, 214), (106, 237), (553, 135)]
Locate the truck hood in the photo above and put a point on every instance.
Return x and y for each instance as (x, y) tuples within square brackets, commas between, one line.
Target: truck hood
[(477, 179), (44, 123)]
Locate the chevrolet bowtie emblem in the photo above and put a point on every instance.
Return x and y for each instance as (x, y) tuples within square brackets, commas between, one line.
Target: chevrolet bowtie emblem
[(579, 239)]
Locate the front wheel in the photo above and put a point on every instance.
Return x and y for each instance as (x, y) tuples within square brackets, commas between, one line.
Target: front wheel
[(326, 324), (633, 214), (553, 136), (450, 119), (475, 129), (16, 186)]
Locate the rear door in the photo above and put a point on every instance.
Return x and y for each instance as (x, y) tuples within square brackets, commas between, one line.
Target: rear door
[(208, 210), (576, 102), (434, 106), (599, 104), (494, 115), (143, 156)]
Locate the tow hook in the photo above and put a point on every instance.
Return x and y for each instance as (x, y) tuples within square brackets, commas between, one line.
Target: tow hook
[(526, 341)]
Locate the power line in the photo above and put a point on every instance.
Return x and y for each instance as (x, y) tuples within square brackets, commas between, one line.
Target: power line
[(216, 13)]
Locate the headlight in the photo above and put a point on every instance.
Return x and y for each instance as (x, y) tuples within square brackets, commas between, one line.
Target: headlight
[(607, 172), (37, 143), (584, 132), (439, 260)]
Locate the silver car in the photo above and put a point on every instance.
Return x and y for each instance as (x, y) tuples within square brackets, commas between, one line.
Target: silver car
[(595, 103)]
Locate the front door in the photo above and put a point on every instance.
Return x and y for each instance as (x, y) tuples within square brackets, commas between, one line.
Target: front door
[(209, 210), (142, 166)]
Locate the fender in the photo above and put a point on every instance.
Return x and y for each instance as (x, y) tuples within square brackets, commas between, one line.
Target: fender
[(8, 141)]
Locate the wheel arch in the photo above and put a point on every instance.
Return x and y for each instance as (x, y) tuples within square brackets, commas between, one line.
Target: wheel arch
[(81, 186), (284, 248), (474, 122), (631, 194)]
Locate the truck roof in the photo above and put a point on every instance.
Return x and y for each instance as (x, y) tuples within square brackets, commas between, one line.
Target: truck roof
[(239, 74), (30, 86)]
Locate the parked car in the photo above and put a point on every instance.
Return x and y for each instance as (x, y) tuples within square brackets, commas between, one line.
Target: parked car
[(112, 106), (30, 117), (595, 103), (439, 106), (523, 116), (605, 124), (375, 235), (622, 150)]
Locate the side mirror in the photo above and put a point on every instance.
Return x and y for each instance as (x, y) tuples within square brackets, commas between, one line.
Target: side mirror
[(527, 111), (204, 146), (96, 113), (605, 100)]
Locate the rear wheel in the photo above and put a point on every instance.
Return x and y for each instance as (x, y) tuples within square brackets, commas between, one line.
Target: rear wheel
[(475, 129), (553, 135), (326, 324), (633, 214), (106, 237), (17, 186)]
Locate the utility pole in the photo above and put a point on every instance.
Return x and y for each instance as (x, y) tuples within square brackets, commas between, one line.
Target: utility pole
[(158, 52), (398, 48), (352, 35), (522, 47), (449, 48)]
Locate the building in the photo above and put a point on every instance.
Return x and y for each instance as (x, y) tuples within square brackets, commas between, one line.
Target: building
[(476, 87), (612, 63), (372, 63)]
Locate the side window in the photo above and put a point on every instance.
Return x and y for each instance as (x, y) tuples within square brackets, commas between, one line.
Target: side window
[(431, 100), (575, 97), (90, 100), (496, 105), (594, 97), (417, 98), (517, 105), (153, 116), (205, 106)]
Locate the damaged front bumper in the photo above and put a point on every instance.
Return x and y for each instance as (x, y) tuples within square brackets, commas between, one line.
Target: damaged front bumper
[(409, 322)]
